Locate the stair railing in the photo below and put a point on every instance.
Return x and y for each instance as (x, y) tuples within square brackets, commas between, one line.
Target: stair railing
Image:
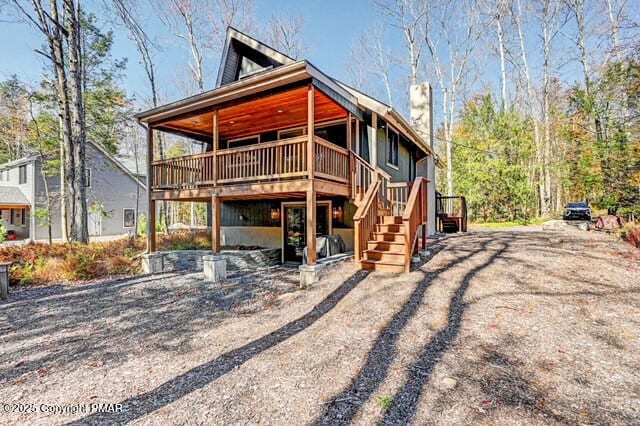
[(414, 218), (365, 220)]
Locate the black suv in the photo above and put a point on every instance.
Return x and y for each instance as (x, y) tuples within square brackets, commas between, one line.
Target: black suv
[(577, 211)]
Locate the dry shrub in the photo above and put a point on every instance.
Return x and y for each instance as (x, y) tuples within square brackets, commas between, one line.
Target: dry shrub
[(631, 233), (44, 264), (185, 240)]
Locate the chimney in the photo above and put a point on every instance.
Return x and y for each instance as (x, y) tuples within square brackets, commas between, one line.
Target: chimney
[(421, 110)]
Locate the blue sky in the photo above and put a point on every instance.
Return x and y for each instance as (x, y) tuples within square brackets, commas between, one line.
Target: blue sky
[(330, 28)]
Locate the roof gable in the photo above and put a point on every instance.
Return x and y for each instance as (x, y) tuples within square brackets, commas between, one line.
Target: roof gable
[(244, 56)]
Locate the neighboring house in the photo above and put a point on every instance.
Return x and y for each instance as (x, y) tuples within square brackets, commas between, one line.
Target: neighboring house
[(112, 190), (290, 154)]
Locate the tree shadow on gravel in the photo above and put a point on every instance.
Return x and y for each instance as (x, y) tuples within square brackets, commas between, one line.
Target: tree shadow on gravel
[(109, 323), (345, 405), (200, 376), (406, 399)]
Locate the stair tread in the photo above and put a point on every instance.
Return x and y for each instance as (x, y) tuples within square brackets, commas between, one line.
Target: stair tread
[(385, 251), (398, 243), (383, 262)]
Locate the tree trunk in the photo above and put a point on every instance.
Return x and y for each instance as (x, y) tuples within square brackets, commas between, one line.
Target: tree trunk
[(501, 48), (67, 189), (542, 205), (79, 229)]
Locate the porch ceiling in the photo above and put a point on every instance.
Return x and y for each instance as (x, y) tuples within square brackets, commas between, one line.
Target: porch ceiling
[(268, 113)]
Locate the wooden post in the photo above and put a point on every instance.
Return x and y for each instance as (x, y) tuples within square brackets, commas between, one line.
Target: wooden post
[(311, 190), (311, 224), (216, 206), (151, 204), (214, 147), (311, 158), (357, 141), (349, 141), (373, 155)]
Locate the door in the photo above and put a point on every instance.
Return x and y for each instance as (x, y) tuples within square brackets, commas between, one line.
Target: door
[(95, 224), (295, 229)]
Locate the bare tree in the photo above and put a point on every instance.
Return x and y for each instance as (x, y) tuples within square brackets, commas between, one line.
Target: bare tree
[(48, 23), (409, 17), (42, 152), (370, 57), (452, 31), (284, 35), (146, 48), (615, 9)]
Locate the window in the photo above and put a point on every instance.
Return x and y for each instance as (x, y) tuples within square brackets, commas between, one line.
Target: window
[(12, 214), (392, 157), (87, 181), (243, 141), (23, 217), (129, 218), (249, 67), (22, 172), (292, 133)]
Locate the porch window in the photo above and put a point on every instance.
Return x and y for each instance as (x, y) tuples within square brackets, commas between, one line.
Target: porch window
[(392, 157), (243, 141), (129, 219), (23, 217), (22, 173), (292, 133), (12, 214), (87, 181)]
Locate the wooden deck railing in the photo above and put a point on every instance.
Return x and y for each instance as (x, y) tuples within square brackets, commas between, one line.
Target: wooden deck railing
[(183, 172), (283, 159), (332, 161), (451, 209), (364, 220), (364, 175), (397, 196), (415, 217)]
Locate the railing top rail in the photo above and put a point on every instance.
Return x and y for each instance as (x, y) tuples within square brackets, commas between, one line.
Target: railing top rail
[(398, 184), (413, 196), (324, 142), (182, 157), (363, 161), (370, 196), (281, 142)]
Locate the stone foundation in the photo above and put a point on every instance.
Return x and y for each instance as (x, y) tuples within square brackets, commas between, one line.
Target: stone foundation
[(191, 260)]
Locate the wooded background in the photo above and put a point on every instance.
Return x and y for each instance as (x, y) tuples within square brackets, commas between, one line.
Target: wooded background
[(536, 102)]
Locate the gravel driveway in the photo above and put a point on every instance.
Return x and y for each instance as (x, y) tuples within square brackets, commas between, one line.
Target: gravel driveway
[(495, 327)]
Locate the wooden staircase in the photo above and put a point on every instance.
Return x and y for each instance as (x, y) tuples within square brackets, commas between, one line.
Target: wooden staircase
[(387, 246), (384, 241)]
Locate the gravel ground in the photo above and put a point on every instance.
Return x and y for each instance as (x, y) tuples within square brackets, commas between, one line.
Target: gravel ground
[(495, 327)]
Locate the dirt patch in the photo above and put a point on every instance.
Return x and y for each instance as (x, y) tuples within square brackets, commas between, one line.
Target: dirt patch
[(497, 327)]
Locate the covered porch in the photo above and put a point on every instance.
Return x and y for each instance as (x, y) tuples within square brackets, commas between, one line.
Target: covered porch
[(297, 143)]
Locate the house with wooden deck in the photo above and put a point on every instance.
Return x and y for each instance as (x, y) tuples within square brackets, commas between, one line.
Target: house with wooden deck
[(289, 155)]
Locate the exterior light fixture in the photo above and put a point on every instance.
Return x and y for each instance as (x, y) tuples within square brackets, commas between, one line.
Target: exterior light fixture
[(337, 212), (275, 214)]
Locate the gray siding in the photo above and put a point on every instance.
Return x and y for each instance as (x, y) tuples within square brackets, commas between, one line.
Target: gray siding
[(406, 162), (110, 186)]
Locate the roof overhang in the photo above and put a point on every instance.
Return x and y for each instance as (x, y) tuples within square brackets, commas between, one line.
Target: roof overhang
[(391, 116), (254, 85)]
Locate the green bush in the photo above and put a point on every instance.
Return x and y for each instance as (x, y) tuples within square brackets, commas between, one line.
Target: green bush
[(3, 232)]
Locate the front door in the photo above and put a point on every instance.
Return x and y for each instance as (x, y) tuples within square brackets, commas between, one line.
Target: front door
[(295, 229)]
